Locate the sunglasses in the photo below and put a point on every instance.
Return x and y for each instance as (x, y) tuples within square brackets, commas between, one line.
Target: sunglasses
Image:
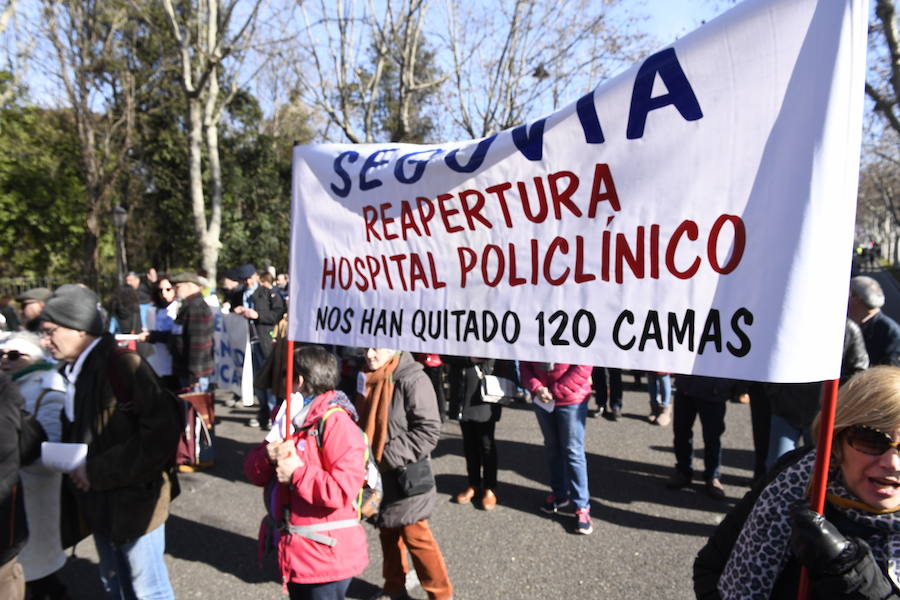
[(869, 440), (11, 355), (166, 289)]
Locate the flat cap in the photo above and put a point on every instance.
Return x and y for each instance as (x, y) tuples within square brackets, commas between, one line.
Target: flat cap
[(38, 293), (187, 277)]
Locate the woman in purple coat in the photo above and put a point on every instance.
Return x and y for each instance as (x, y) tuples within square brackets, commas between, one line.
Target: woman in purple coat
[(560, 394)]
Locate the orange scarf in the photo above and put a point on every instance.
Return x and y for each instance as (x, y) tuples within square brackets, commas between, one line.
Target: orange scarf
[(374, 408)]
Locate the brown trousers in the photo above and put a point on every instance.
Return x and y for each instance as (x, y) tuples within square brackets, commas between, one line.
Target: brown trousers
[(12, 581), (426, 556)]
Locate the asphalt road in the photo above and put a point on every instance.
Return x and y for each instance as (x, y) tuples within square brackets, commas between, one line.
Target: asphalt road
[(645, 536)]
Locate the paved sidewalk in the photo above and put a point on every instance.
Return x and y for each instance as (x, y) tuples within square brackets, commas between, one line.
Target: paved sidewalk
[(643, 544)]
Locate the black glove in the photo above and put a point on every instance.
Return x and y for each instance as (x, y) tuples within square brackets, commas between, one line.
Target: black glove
[(816, 543)]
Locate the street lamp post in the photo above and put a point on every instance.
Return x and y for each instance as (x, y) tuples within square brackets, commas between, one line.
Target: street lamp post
[(119, 218)]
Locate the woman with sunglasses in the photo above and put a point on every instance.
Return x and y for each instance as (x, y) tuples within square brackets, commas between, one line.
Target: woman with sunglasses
[(853, 551), (161, 321), (43, 389)]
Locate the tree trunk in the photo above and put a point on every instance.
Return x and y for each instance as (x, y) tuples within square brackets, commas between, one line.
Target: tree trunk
[(210, 250), (195, 166)]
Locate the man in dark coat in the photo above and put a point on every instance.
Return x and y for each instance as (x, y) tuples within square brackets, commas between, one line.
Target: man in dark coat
[(192, 341), (880, 332), (116, 406), (706, 397), (263, 309), (20, 444)]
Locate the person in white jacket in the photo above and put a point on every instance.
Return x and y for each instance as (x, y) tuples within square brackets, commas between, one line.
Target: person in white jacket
[(43, 389)]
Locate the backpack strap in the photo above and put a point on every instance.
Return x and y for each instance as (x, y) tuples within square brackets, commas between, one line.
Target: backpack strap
[(37, 402), (320, 424)]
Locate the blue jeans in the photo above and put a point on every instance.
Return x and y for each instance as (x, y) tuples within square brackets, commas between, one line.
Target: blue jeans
[(659, 385), (784, 437), (135, 569), (563, 431), (333, 590), (712, 421)]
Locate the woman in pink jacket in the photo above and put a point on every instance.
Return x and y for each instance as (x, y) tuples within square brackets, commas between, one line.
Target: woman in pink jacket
[(312, 481), (560, 394)]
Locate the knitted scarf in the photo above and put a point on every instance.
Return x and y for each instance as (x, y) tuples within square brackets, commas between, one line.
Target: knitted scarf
[(763, 547), (374, 407)]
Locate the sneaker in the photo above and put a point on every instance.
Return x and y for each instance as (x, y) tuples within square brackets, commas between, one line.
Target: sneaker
[(616, 413), (714, 488), (584, 525), (665, 416), (253, 422), (551, 507), (678, 480), (231, 401)]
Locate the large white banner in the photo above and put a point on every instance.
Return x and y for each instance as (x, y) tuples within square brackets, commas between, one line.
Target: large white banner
[(693, 215)]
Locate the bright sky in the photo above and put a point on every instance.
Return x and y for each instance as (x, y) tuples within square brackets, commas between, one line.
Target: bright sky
[(670, 19)]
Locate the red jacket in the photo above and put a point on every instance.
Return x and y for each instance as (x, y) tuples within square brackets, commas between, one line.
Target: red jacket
[(322, 490), (569, 384)]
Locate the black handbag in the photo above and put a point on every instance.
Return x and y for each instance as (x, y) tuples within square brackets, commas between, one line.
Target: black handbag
[(415, 478)]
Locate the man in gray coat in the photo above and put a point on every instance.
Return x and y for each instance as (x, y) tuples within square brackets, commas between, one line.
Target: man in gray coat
[(399, 412)]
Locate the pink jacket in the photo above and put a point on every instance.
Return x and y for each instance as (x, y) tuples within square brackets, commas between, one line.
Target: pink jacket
[(322, 490), (569, 384)]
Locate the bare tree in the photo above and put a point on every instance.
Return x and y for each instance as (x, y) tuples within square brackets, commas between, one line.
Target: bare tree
[(212, 46), (526, 56), (99, 90), (495, 64), (19, 44), (883, 85), (346, 47), (878, 205)]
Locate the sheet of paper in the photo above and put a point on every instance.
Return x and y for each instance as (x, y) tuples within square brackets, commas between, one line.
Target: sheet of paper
[(548, 406), (63, 457)]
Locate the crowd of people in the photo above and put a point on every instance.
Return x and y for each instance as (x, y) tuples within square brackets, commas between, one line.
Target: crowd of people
[(105, 386)]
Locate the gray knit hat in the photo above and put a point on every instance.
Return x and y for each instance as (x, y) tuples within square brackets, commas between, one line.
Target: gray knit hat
[(76, 307)]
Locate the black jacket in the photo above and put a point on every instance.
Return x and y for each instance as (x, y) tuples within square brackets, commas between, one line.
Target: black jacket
[(20, 444), (465, 387), (131, 425), (882, 336), (270, 306), (864, 581)]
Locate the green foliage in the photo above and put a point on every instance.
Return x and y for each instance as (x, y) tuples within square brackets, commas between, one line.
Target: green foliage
[(42, 208)]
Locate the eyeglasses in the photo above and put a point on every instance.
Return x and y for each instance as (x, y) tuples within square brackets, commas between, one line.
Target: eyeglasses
[(869, 440), (11, 355), (48, 332)]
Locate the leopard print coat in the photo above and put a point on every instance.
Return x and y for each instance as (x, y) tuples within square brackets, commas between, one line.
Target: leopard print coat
[(762, 548)]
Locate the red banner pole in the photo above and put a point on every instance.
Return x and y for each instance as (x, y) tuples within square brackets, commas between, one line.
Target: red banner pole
[(820, 472), (287, 388)]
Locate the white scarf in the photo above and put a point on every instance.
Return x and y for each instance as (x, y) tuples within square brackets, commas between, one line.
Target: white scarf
[(71, 372)]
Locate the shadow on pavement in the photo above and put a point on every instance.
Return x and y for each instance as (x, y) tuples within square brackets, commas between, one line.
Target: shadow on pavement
[(82, 577), (222, 550), (360, 589)]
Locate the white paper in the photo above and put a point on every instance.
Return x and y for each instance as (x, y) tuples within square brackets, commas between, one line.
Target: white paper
[(548, 406), (63, 457)]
